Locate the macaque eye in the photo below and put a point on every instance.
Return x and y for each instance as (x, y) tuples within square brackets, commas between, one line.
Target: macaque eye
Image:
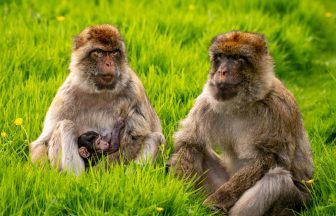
[(116, 52), (98, 53), (236, 57), (217, 57), (239, 58), (244, 59)]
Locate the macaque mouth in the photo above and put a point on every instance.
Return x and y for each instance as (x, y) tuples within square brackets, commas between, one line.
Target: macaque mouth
[(227, 86), (225, 91), (105, 78), (105, 82)]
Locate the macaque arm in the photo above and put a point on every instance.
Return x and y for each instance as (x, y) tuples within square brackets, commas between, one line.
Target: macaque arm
[(189, 148), (226, 196), (190, 160), (57, 111), (186, 162), (115, 135), (150, 147), (63, 148), (143, 126)]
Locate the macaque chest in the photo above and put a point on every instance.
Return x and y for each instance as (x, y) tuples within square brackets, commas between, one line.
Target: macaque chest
[(101, 122), (233, 136)]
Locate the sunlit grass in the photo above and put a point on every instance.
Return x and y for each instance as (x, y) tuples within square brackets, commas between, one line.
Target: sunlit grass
[(167, 45)]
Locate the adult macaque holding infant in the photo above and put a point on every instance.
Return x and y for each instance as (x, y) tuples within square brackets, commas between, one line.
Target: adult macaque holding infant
[(100, 89)]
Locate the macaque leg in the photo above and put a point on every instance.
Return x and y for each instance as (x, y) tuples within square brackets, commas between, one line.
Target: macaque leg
[(273, 194), (38, 152), (215, 171), (38, 148), (189, 161), (150, 148), (63, 148)]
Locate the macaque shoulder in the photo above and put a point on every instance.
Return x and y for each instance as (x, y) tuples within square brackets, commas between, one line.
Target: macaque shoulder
[(280, 106), (62, 104), (192, 128)]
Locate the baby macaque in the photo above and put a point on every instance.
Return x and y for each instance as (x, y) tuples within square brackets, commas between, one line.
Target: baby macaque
[(91, 145)]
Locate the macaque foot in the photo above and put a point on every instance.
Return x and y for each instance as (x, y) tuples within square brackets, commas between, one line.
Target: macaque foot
[(215, 206), (215, 202)]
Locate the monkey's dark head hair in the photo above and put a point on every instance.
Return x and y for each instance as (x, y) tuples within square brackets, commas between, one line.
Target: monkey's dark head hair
[(87, 140)]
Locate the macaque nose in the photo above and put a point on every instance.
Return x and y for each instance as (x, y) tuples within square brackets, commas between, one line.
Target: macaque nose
[(108, 64), (107, 68), (221, 76), (222, 73)]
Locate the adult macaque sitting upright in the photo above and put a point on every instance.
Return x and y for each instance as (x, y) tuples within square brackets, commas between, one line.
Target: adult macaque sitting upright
[(248, 113), (100, 88)]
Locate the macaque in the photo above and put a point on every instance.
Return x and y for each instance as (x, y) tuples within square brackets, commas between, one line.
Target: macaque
[(91, 145), (245, 111), (101, 86)]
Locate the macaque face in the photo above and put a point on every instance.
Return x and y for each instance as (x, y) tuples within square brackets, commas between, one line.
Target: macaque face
[(227, 75), (239, 60), (99, 54), (101, 145), (105, 66)]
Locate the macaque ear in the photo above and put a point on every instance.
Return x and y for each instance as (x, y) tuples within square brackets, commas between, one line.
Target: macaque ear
[(262, 44), (78, 41), (214, 48), (83, 152), (123, 49)]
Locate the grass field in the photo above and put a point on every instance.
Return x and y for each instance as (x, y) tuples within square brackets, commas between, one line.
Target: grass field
[(167, 45)]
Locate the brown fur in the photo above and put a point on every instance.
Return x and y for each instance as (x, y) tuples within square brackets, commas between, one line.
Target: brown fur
[(81, 103), (239, 42), (104, 34), (258, 130)]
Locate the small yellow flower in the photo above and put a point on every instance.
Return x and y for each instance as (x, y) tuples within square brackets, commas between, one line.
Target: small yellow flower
[(18, 121), (159, 209), (328, 14), (191, 7), (4, 134), (310, 181), (60, 18)]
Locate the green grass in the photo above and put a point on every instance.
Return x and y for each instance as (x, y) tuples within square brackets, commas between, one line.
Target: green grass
[(167, 45)]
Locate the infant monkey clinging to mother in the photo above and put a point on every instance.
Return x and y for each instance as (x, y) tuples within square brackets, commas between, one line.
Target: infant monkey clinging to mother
[(92, 145)]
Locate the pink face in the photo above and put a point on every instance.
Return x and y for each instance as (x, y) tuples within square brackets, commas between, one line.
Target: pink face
[(101, 145)]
